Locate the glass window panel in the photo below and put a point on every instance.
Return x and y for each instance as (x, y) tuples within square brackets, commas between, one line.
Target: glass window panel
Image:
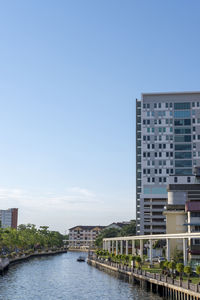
[(183, 138), (182, 131), (182, 155), (183, 171), (183, 105), (183, 163), (182, 114), (183, 147)]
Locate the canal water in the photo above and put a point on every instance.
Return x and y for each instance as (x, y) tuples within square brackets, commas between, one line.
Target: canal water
[(61, 277)]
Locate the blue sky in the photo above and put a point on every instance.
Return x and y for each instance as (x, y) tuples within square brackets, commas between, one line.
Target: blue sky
[(69, 75)]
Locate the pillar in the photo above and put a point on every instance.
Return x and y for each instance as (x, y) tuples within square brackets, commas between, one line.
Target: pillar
[(121, 247), (141, 249), (133, 247), (126, 247), (150, 251), (116, 247), (168, 250), (109, 246), (185, 260)]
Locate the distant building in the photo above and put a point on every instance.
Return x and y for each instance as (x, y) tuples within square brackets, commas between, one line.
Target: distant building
[(9, 217), (84, 236), (118, 225)]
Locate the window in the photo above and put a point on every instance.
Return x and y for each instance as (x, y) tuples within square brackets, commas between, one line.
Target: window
[(152, 129), (144, 105), (148, 179), (148, 130), (148, 114), (156, 171), (160, 146), (182, 122), (155, 154), (164, 146), (148, 122), (182, 146), (194, 128), (193, 121), (155, 122), (188, 179), (166, 121), (144, 137), (160, 154), (182, 113), (171, 146), (182, 130), (148, 138), (167, 154), (171, 129), (153, 179), (175, 179), (183, 105), (152, 146), (194, 154), (148, 171), (198, 136), (182, 138), (144, 122), (183, 163), (159, 105), (148, 146), (160, 171), (155, 105), (148, 163), (144, 171), (193, 104), (183, 171), (171, 171), (183, 155), (164, 179), (159, 122), (160, 179), (148, 105), (170, 105)]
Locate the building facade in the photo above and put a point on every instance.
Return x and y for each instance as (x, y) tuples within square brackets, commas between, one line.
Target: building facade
[(84, 236), (9, 217), (167, 143)]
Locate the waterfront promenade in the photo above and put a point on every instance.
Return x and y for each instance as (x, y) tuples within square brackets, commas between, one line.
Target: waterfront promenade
[(163, 285)]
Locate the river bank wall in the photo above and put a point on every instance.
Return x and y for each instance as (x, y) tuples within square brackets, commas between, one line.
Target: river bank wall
[(5, 263), (161, 284)]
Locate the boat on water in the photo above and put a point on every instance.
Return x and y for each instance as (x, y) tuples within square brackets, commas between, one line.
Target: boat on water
[(81, 259)]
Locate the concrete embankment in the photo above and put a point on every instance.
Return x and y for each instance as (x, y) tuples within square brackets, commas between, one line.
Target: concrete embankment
[(5, 262), (161, 284)]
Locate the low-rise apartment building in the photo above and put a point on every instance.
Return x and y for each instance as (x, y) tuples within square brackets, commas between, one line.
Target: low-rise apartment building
[(84, 236)]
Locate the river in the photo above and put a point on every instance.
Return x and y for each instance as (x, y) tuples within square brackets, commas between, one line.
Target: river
[(61, 277)]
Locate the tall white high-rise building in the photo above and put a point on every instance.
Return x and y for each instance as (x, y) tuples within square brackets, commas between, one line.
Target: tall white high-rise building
[(167, 144)]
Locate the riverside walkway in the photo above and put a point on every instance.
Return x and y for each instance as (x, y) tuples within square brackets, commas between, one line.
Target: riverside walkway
[(165, 286)]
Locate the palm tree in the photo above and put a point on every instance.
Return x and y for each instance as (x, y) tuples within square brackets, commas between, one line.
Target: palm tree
[(180, 269), (198, 270), (188, 271)]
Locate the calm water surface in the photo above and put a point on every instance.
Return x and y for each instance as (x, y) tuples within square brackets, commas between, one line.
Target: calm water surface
[(61, 277)]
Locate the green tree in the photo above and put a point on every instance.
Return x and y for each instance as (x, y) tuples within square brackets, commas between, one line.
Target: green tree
[(129, 229), (188, 271), (106, 233), (198, 270), (180, 269)]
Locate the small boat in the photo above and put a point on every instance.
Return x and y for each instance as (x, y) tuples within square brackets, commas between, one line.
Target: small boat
[(81, 259)]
